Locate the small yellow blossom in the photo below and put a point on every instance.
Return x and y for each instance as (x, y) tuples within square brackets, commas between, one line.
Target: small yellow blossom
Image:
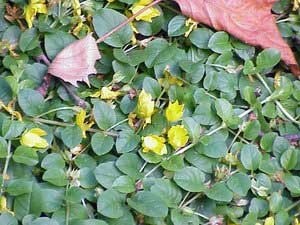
[(148, 14), (296, 5), (269, 221), (145, 106), (10, 110), (169, 80), (33, 138), (178, 136), (108, 94), (174, 111), (155, 144), (76, 7), (191, 25), (296, 221), (80, 117), (3, 205), (34, 7)]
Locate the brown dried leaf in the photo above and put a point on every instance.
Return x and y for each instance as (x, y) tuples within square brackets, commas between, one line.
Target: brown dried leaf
[(76, 61), (248, 20)]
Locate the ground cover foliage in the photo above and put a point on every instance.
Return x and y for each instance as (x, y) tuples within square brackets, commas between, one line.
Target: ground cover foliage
[(181, 125)]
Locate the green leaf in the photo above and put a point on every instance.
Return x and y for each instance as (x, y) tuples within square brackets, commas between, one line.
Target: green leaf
[(8, 219), (111, 204), (106, 174), (239, 183), (28, 40), (219, 192), (181, 218), (57, 41), (289, 159), (192, 127), (53, 160), (12, 128), (224, 109), (89, 222), (5, 91), (292, 183), (250, 157), (71, 136), (276, 201), (130, 164), (26, 155), (127, 141), (105, 116), (266, 142), (105, 20), (56, 177), (148, 204), (101, 143), (175, 163), (124, 184), (200, 37), (126, 219), (190, 179), (44, 221), (252, 130), (31, 102), (220, 42), (19, 187), (259, 207), (152, 87), (267, 59), (282, 218), (167, 191)]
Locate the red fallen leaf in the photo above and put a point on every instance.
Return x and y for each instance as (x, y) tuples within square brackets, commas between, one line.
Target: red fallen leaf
[(248, 20), (76, 61)]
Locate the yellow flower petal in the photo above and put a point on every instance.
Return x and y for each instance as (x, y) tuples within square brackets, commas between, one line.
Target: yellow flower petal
[(108, 94), (269, 221), (148, 15), (174, 111), (155, 144), (33, 139), (145, 106), (178, 136), (34, 7), (80, 117)]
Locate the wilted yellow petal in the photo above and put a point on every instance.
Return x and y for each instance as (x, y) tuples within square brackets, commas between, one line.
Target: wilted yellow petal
[(174, 111), (155, 144), (269, 221), (296, 5), (108, 94), (80, 117), (191, 25), (148, 15), (76, 7), (178, 136), (10, 110), (34, 7), (145, 106), (33, 139)]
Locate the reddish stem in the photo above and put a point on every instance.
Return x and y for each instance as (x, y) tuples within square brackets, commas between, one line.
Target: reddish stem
[(130, 19)]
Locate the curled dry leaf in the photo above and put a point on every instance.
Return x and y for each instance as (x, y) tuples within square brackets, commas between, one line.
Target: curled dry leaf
[(249, 20), (76, 61)]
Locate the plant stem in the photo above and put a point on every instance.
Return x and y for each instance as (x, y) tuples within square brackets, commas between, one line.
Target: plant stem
[(4, 173), (280, 106), (62, 124), (130, 19), (191, 200), (57, 109), (183, 200), (117, 124), (295, 204)]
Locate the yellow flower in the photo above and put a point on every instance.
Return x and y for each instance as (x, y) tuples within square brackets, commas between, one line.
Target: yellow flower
[(296, 221), (9, 108), (169, 80), (34, 7), (33, 138), (174, 111), (155, 144), (269, 221), (191, 25), (3, 205), (148, 14), (76, 7), (108, 94), (178, 136), (296, 5), (80, 117), (145, 106)]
